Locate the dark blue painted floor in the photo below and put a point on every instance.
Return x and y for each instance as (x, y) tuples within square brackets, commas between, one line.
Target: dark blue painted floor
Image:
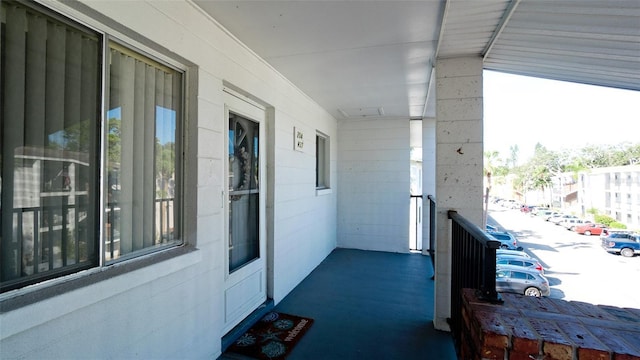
[(368, 305)]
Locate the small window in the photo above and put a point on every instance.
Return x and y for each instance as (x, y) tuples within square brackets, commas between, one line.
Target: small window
[(322, 161)]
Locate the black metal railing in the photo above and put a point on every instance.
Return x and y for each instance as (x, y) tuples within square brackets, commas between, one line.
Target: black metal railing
[(432, 228), (473, 265), (46, 240), (163, 226)]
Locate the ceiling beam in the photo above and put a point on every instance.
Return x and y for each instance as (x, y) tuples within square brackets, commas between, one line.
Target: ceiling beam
[(508, 12)]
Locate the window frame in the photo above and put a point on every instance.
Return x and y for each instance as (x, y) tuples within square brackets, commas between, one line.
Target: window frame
[(323, 163), (70, 278), (136, 51)]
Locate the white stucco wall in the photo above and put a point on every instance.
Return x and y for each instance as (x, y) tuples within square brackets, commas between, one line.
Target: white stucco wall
[(373, 189), (173, 309)]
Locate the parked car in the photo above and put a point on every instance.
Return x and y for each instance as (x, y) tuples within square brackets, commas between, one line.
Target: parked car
[(561, 217), (511, 252), (571, 224), (521, 281), (491, 228), (616, 233), (520, 261), (546, 214), (590, 229), (536, 210), (625, 244), (507, 239), (527, 208)]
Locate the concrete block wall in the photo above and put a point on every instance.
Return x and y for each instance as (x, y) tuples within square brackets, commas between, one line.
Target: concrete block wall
[(373, 188), (544, 328), (459, 162)]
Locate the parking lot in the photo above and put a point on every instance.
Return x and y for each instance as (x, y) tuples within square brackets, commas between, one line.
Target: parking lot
[(576, 265)]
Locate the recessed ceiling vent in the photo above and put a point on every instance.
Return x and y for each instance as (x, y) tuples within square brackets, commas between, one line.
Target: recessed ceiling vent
[(364, 112)]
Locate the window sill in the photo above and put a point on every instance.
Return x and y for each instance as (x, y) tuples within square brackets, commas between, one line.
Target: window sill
[(323, 191), (16, 299)]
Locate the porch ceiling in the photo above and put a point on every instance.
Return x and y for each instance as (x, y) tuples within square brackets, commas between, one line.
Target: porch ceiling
[(375, 58)]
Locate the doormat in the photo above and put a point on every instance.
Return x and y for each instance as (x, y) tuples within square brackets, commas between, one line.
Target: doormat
[(273, 337)]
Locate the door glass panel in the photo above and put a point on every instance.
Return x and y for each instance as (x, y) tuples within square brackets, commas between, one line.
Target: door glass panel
[(244, 242)]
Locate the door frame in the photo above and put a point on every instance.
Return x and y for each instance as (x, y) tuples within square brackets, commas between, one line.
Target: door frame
[(254, 272)]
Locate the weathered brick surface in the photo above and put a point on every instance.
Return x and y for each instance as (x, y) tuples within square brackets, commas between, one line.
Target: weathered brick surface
[(524, 339), (492, 354), (621, 314), (492, 333), (631, 338), (555, 344), (550, 329), (569, 308), (593, 311), (522, 356), (634, 311), (620, 347), (588, 346)]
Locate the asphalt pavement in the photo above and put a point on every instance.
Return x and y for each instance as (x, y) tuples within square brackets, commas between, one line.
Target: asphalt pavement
[(577, 267)]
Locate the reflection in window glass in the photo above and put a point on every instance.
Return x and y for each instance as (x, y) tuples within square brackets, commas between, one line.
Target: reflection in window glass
[(49, 118), (244, 197), (51, 133), (144, 102)]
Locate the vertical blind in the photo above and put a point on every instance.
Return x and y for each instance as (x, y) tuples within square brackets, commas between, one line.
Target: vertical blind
[(48, 129), (51, 134), (144, 105)]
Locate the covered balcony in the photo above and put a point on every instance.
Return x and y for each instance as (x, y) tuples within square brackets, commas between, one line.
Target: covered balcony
[(302, 117)]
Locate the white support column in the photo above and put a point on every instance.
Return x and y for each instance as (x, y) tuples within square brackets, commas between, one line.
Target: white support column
[(428, 176), (459, 162)]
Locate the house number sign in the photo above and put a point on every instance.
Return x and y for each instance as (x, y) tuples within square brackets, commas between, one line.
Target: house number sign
[(298, 139)]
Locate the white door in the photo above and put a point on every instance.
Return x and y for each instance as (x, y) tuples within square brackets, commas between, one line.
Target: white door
[(245, 195)]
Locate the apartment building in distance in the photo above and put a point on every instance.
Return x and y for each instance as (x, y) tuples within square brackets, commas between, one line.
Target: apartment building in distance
[(614, 191)]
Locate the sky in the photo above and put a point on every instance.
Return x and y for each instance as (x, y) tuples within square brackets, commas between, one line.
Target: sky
[(165, 122), (560, 115)]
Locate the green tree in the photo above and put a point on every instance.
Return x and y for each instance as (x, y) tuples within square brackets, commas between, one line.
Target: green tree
[(114, 143), (165, 166)]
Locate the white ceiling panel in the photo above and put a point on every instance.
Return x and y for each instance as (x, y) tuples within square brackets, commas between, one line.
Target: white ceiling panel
[(365, 55)]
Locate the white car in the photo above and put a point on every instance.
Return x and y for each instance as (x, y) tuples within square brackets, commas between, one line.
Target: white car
[(571, 224), (562, 217)]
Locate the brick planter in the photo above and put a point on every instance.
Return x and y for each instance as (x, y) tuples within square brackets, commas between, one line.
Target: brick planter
[(543, 328)]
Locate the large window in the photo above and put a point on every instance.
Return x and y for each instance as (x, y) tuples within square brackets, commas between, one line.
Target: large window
[(57, 142)]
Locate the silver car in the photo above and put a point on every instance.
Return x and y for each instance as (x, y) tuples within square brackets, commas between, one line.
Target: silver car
[(515, 279), (520, 261), (511, 252)]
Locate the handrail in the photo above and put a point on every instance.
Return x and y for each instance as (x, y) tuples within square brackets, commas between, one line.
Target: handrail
[(473, 265)]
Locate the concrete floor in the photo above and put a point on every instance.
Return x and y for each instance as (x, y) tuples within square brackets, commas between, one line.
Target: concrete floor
[(368, 305)]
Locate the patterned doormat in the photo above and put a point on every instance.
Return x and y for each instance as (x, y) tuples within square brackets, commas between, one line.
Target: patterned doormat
[(273, 337)]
